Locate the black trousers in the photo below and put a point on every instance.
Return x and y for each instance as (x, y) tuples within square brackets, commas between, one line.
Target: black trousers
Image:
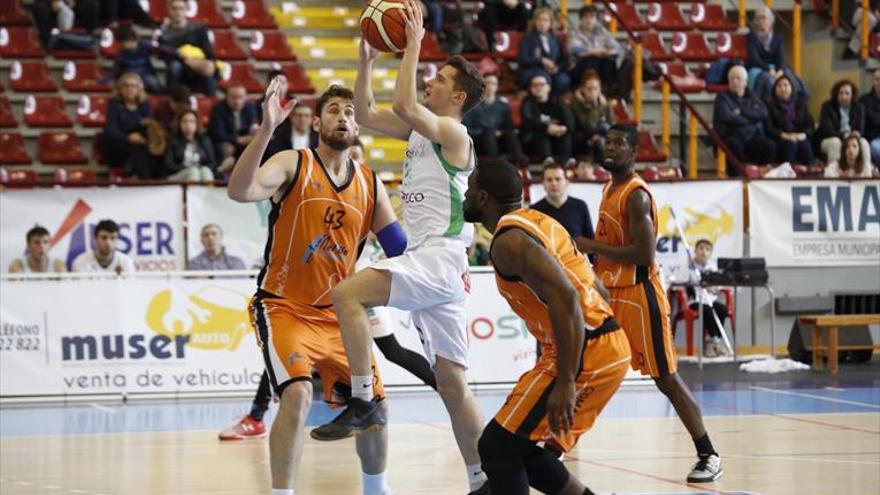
[(490, 146), (709, 326)]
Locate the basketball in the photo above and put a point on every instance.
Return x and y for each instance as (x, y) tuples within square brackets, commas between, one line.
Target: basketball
[(382, 24)]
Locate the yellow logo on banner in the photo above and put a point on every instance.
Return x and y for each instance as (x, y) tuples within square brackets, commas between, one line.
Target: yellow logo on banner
[(215, 318), (696, 224)]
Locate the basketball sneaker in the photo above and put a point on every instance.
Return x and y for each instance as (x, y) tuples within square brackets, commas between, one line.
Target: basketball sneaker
[(358, 417), (246, 428), (707, 469), (483, 490)]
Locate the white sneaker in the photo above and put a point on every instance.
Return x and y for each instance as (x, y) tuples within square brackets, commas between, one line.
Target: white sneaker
[(706, 469)]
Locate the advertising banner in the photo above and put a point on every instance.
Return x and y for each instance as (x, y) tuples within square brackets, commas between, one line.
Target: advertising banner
[(244, 225), (150, 222), (815, 223), (710, 210)]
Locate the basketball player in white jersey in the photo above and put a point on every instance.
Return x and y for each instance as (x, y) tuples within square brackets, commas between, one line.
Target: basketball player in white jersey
[(431, 278)]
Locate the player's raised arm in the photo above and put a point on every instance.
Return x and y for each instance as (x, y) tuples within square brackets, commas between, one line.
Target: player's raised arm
[(366, 112), (516, 254), (250, 181), (641, 226), (443, 130)]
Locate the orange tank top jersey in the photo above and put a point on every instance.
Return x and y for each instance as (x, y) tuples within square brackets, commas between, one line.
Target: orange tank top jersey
[(613, 230), (316, 230), (526, 304)]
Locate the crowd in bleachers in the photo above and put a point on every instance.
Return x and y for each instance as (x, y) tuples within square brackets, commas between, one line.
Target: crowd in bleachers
[(565, 84)]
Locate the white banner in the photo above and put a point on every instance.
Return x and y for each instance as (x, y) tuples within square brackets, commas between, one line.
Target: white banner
[(244, 225), (710, 210), (173, 334), (150, 221), (815, 223)]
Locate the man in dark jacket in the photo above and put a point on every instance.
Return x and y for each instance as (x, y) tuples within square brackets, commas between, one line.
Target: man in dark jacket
[(295, 133), (490, 124), (871, 103), (739, 119), (177, 31), (233, 122), (547, 124)]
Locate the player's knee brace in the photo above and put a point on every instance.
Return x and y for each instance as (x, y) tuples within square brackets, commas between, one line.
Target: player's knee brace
[(497, 445), (546, 472)]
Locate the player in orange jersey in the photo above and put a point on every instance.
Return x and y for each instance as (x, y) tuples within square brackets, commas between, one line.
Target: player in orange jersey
[(323, 207), (626, 237), (584, 353)]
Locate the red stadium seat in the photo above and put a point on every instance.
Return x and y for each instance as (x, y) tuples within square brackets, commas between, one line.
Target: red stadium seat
[(225, 45), (20, 42), (203, 106), (515, 110), (732, 46), (507, 44), (601, 174), (621, 113), (710, 17), (682, 77), (117, 175), (270, 45), (108, 46), (31, 77), (14, 15), (692, 47), (74, 176), (46, 111), (74, 54), (297, 80), (7, 118), (18, 177), (91, 110), (874, 47), (208, 12), (82, 77), (648, 151), (666, 17), (630, 16), (158, 9), (252, 14), (650, 173), (60, 148), (653, 44), (12, 149), (243, 74), (431, 50)]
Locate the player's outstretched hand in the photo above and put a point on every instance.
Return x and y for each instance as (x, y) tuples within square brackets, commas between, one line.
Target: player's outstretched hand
[(367, 52), (560, 407), (415, 24), (273, 113)]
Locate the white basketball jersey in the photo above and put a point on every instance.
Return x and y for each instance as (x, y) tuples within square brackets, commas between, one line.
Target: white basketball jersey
[(432, 193)]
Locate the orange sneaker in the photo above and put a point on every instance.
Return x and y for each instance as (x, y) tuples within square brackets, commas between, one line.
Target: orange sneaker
[(246, 428)]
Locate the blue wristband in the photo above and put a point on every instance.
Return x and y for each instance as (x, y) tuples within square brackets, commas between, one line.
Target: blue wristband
[(392, 239)]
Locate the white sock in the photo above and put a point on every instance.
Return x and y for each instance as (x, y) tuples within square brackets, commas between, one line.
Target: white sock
[(375, 484), (476, 476), (282, 491), (362, 387)]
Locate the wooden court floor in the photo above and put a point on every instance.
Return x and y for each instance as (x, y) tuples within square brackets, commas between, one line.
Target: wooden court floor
[(779, 454)]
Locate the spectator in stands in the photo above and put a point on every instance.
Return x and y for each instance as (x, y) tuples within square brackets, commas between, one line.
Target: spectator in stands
[(584, 171), (214, 256), (739, 119), (195, 66), (854, 48), (841, 115), (64, 15), (871, 103), (295, 133), (572, 213), (490, 125), (114, 10), (766, 53), (592, 117), (702, 262), (232, 126), (790, 124), (546, 123), (853, 163), (134, 56), (503, 14), (36, 256), (169, 108), (541, 52), (593, 48), (124, 140), (105, 257), (189, 155)]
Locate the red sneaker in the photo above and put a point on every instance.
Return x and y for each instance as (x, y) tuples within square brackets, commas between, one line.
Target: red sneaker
[(246, 428)]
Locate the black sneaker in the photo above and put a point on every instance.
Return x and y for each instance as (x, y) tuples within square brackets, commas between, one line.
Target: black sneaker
[(358, 417), (483, 490)]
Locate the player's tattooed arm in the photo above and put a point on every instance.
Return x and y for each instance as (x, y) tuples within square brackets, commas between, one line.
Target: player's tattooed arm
[(516, 254)]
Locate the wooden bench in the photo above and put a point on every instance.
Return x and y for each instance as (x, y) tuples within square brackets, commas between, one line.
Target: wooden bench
[(830, 324)]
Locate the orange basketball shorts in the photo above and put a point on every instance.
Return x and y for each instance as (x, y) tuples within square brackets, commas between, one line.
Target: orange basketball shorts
[(297, 339), (643, 312)]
